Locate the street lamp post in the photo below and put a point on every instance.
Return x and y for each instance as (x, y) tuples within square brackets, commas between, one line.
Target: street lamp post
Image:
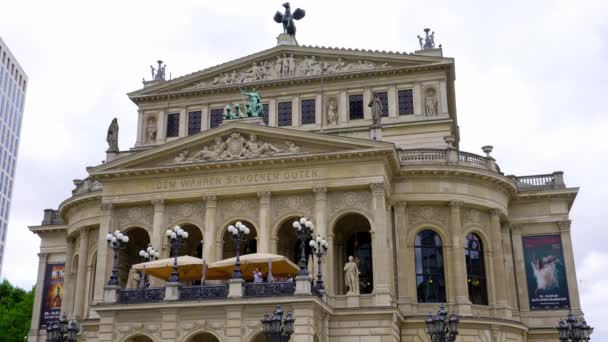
[(440, 328), (146, 255), (62, 330), (116, 241), (176, 237), (573, 330), (319, 247), (303, 232), (277, 329), (239, 233)]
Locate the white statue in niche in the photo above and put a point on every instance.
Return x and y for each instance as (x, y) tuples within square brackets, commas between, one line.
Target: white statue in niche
[(151, 131), (351, 276), (332, 112), (431, 103)]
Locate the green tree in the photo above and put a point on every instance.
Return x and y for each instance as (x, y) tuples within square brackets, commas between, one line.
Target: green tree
[(15, 312)]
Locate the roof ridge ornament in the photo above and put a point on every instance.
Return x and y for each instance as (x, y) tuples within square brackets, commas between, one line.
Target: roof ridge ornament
[(428, 42), (288, 37), (158, 74)]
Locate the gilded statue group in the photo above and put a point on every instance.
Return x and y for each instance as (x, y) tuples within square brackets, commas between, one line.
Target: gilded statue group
[(235, 146)]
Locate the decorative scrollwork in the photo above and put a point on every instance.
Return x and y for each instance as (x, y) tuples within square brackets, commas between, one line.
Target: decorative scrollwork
[(203, 292), (149, 295), (270, 289)]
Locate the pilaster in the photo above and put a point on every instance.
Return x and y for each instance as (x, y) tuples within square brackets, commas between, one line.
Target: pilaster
[(320, 210), (234, 319), (460, 288), (140, 123), (406, 285), (35, 324), (564, 228), (367, 97), (264, 236), (392, 102), (507, 248), (210, 228), (502, 302), (205, 117), (520, 271), (67, 304), (158, 241), (83, 252), (102, 270), (381, 259), (342, 107)]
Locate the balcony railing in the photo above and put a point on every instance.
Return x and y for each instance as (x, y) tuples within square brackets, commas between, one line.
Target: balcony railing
[(203, 292), (133, 296), (554, 180), (446, 157), (269, 289), (86, 185), (51, 217)]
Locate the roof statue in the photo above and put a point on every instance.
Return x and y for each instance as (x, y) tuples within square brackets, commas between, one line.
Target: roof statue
[(159, 73), (427, 42), (112, 136), (288, 18), (253, 106)]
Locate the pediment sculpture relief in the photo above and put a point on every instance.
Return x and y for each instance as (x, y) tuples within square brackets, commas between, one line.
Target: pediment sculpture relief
[(288, 66), (235, 146)]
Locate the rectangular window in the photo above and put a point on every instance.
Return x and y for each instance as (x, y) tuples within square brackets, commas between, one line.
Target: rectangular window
[(355, 107), (308, 111), (265, 113), (215, 117), (284, 113), (383, 96), (406, 102), (194, 122), (172, 125)]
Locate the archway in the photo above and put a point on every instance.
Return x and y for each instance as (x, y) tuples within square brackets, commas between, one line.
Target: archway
[(203, 337), (192, 246), (139, 338), (138, 240), (259, 338), (353, 237), (289, 246), (247, 247)]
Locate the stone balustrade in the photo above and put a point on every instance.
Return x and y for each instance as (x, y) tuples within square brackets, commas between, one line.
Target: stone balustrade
[(550, 181), (86, 185), (446, 157), (51, 217)]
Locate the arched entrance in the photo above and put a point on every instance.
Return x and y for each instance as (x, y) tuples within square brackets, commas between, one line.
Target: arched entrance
[(289, 246), (138, 240), (193, 246), (247, 247), (353, 237), (139, 338), (259, 338), (203, 337)]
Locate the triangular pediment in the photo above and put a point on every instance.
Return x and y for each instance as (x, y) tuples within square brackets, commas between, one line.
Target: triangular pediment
[(237, 142), (290, 63)]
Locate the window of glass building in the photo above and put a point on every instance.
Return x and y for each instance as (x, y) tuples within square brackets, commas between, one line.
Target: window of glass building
[(307, 111), (430, 278), (406, 102), (172, 125), (284, 113), (215, 117), (355, 107), (476, 270), (194, 122)]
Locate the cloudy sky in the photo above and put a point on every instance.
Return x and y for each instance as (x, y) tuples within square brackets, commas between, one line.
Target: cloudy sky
[(532, 80)]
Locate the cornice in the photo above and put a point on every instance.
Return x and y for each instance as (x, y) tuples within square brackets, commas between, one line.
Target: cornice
[(40, 230), (79, 199)]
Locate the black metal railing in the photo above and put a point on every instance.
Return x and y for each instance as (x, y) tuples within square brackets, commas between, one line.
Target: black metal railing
[(199, 292), (133, 296), (286, 288)]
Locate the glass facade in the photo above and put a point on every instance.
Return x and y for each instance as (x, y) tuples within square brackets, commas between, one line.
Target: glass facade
[(13, 85)]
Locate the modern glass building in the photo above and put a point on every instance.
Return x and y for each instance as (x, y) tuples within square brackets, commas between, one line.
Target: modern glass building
[(13, 85)]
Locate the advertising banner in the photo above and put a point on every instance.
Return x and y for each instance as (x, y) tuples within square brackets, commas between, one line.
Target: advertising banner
[(545, 272), (52, 294)]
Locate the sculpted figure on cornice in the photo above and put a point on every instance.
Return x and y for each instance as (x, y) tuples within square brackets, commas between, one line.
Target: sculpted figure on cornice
[(287, 66), (235, 147), (332, 111), (425, 214), (126, 216)]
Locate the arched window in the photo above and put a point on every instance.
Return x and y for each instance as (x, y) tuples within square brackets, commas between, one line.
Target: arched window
[(476, 270), (430, 278)]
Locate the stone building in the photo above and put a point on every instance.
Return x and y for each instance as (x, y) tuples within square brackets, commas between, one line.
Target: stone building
[(426, 222)]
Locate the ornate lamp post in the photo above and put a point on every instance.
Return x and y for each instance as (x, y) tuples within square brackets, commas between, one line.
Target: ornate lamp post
[(62, 330), (146, 255), (239, 233), (176, 237), (319, 247), (116, 241), (441, 328), (573, 330), (277, 329), (303, 231)]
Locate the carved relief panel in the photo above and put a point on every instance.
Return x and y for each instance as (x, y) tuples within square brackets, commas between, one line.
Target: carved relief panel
[(193, 212), (427, 214), (357, 199), (133, 216), (228, 209), (284, 204)]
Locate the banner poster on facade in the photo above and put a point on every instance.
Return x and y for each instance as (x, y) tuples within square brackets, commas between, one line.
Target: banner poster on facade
[(545, 272), (52, 294)]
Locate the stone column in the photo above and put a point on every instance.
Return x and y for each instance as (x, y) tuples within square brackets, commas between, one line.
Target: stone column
[(83, 252), (500, 281), (303, 326), (272, 113), (210, 228), (139, 138), (392, 102), (234, 322), (380, 253), (507, 248), (183, 123), (161, 132), (417, 97), (158, 240), (68, 285), (460, 288), (205, 118), (104, 256), (575, 304), (405, 256), (34, 326), (264, 233), (296, 118), (342, 107), (320, 214), (520, 270), (367, 111)]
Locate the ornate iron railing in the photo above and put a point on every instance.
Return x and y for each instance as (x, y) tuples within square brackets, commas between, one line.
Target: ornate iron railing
[(286, 288), (149, 295), (199, 292), (316, 292), (541, 182)]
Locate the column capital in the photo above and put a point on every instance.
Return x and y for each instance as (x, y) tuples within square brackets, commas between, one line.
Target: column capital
[(516, 228), (456, 204), (494, 212), (400, 204), (377, 188), (564, 226), (157, 201), (264, 195), (320, 193), (84, 232), (42, 257), (107, 206), (210, 198)]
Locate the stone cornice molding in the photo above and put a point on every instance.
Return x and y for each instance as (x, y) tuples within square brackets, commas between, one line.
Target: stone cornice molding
[(106, 207), (494, 212), (456, 204), (564, 226), (157, 202), (400, 204), (320, 193)]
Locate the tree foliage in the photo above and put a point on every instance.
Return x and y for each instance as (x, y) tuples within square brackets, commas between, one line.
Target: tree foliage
[(15, 312)]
